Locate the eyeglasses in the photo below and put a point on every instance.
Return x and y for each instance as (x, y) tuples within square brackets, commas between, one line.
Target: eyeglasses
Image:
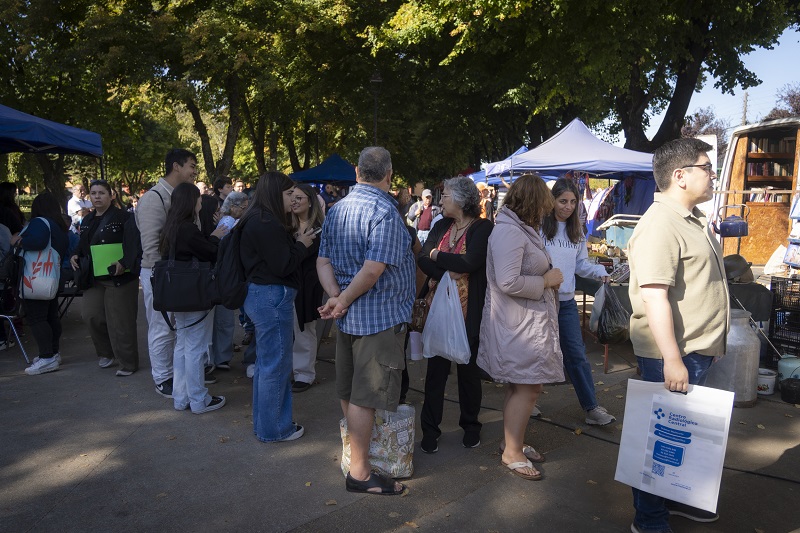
[(708, 167)]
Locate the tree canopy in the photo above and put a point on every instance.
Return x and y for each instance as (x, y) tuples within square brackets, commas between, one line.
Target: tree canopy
[(255, 85)]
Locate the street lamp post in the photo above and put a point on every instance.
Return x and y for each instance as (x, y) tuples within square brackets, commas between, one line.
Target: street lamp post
[(375, 84)]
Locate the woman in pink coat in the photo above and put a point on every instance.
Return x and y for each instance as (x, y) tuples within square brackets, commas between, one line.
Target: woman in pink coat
[(519, 331)]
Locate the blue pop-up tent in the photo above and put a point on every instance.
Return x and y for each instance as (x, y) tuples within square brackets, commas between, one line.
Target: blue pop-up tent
[(333, 170), (495, 169), (20, 132)]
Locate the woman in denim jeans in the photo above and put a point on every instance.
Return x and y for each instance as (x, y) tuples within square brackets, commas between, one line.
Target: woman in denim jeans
[(564, 240), (271, 257)]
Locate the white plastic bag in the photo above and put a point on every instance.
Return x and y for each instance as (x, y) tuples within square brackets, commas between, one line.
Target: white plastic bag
[(445, 333), (597, 306)]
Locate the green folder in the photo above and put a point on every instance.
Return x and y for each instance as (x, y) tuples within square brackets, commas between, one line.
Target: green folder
[(103, 255)]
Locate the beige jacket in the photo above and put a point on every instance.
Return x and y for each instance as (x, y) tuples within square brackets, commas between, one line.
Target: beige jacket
[(519, 332), (151, 214)]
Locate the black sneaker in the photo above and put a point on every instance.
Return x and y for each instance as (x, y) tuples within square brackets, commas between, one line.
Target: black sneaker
[(429, 444), (224, 366), (472, 439), (165, 388), (216, 403), (209, 379), (300, 386), (209, 368), (692, 513)]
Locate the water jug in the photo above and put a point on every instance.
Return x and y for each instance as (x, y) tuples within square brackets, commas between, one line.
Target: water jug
[(737, 371)]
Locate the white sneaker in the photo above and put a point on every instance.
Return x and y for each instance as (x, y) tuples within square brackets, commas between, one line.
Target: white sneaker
[(105, 362), (298, 432), (251, 371), (42, 365), (599, 417), (536, 413), (217, 402)]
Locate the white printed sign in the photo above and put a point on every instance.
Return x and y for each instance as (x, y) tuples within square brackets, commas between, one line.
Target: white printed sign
[(673, 445)]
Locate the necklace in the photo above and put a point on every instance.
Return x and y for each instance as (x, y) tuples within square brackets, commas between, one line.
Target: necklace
[(454, 234)]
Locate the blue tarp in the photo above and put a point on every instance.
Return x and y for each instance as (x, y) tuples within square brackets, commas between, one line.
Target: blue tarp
[(20, 132), (333, 169), (491, 167), (576, 148)]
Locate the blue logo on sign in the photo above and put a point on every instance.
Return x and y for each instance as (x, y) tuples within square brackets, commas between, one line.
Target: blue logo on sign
[(659, 413)]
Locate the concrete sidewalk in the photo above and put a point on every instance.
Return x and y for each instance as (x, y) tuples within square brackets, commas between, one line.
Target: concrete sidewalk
[(83, 450)]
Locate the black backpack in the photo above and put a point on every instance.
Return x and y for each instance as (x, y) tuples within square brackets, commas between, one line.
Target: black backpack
[(11, 266), (230, 276)]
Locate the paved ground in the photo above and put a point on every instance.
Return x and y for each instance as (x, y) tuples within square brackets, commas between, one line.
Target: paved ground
[(83, 450)]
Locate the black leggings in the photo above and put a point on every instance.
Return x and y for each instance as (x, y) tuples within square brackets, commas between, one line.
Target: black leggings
[(42, 316)]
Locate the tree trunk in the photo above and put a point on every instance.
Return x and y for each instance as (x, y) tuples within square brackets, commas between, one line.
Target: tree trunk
[(205, 142), (256, 133), (273, 146), (234, 92), (288, 141), (54, 177)]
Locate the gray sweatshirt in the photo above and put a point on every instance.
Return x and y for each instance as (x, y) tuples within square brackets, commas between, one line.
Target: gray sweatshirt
[(151, 214), (571, 259)]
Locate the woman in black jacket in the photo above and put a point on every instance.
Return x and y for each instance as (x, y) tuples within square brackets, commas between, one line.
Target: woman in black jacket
[(457, 244), (46, 227), (111, 304), (182, 238), (271, 258)]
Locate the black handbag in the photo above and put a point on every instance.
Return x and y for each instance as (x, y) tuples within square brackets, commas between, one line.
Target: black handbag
[(84, 275), (183, 286)]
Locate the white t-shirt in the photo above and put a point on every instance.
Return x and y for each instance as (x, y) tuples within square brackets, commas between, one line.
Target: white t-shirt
[(75, 205)]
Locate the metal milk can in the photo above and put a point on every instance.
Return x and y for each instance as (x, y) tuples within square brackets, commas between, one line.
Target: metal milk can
[(737, 371)]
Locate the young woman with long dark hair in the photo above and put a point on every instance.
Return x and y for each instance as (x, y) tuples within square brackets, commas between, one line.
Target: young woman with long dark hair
[(47, 226), (182, 237), (565, 241), (271, 257)]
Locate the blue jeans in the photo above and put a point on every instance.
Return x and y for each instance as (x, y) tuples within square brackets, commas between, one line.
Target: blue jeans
[(271, 308), (651, 510), (221, 349), (571, 339)]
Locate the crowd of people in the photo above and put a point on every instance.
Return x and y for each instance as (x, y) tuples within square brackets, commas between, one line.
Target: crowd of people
[(357, 258)]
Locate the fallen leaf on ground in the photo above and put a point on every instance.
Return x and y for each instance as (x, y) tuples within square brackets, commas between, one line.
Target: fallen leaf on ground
[(599, 383), (620, 396), (591, 482), (578, 431), (161, 495), (545, 419), (787, 415), (330, 502), (598, 364), (483, 468), (84, 455), (224, 439), (447, 515), (308, 483), (545, 392), (743, 423), (171, 437), (393, 514), (595, 518), (404, 493), (411, 524), (758, 530), (760, 426), (606, 390)]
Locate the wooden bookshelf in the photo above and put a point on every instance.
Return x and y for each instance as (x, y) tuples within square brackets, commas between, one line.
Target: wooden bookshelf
[(764, 159)]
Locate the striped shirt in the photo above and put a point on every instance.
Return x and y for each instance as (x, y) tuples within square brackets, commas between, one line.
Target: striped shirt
[(366, 226)]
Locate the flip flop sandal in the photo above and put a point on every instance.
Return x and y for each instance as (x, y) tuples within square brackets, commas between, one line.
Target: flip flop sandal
[(520, 464), (375, 481), (529, 452)]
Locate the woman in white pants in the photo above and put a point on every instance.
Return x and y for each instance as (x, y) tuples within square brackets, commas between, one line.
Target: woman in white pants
[(306, 213)]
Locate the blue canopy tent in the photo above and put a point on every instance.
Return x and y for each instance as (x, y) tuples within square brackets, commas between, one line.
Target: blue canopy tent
[(333, 170), (481, 176), (20, 132)]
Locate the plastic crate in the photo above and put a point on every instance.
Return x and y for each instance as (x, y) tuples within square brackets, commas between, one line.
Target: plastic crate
[(785, 294)]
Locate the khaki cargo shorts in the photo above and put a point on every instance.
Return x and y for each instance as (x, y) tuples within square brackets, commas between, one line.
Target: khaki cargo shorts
[(369, 368)]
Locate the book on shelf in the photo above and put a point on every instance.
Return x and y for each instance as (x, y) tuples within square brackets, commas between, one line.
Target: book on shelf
[(770, 168), (781, 145)]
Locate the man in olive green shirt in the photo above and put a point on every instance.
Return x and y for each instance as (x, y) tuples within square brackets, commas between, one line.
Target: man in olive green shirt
[(679, 295)]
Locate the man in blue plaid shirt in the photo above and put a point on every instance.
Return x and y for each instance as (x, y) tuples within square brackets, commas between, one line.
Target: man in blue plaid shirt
[(367, 267)]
